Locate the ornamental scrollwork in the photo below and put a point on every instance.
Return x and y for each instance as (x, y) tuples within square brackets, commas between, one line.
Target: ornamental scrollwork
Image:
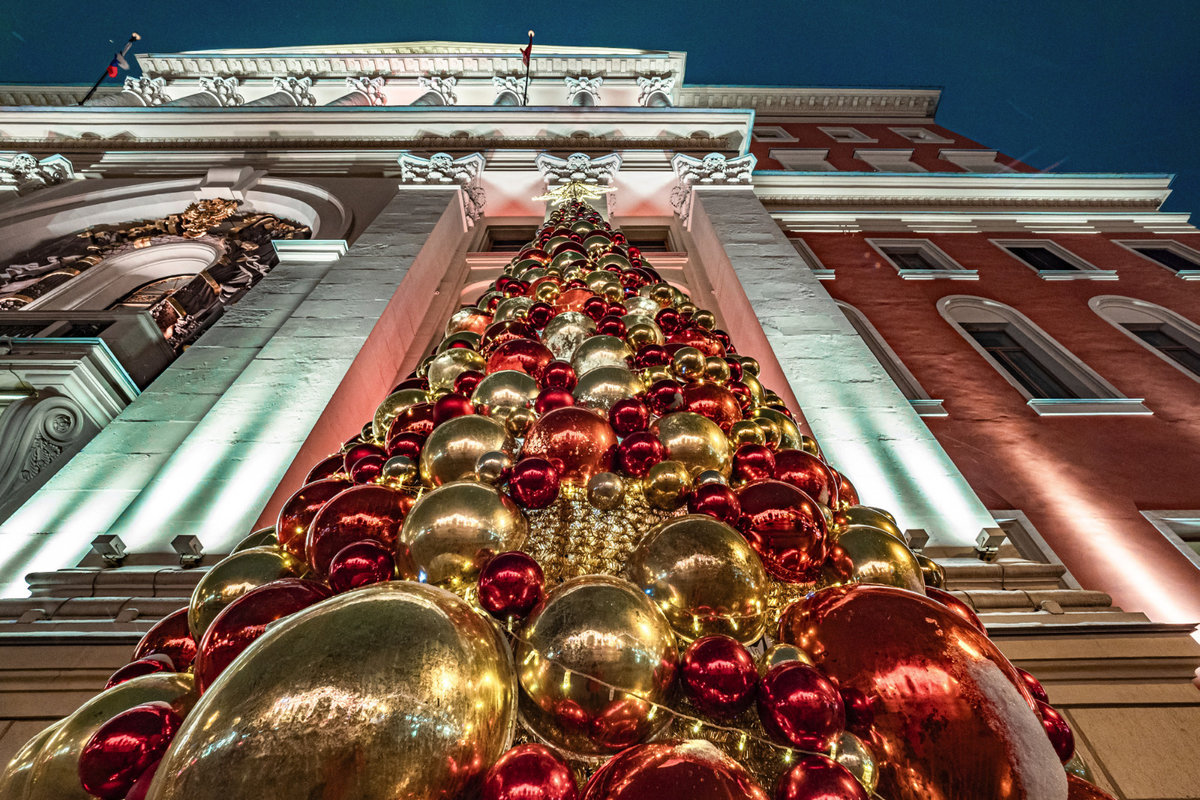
[(583, 85), (371, 87), (440, 85), (151, 91), (224, 89), (714, 168), (299, 89), (649, 85), (24, 171), (442, 168)]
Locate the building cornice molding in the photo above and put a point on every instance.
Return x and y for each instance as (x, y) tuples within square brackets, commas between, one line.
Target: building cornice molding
[(768, 101)]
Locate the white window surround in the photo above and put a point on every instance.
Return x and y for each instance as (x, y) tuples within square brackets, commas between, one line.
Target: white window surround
[(886, 159), (1100, 398), (975, 160), (810, 258), (921, 135), (846, 135), (1118, 311), (949, 268), (1029, 542), (803, 159), (115, 277), (1085, 271), (1182, 250), (905, 381), (771, 133), (1180, 528)]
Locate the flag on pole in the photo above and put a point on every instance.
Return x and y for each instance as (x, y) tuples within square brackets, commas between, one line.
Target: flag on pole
[(117, 64), (527, 51)]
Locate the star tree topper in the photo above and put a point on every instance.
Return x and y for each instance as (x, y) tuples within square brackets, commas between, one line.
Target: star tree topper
[(575, 190)]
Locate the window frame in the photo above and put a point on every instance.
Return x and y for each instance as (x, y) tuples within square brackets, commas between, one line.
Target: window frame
[(1178, 527), (781, 154), (814, 264), (855, 136), (890, 156), (1178, 248), (775, 133), (1084, 270), (905, 381), (1104, 305), (967, 158), (924, 135), (949, 268)]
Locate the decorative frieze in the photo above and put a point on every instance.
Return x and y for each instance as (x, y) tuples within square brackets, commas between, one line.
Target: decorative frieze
[(441, 87), (583, 90), (713, 169), (655, 90), (22, 172), (442, 168), (508, 85), (151, 91), (372, 88), (225, 90), (299, 89)]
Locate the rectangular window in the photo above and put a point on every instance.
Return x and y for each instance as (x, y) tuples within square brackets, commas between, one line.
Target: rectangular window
[(1042, 258), (909, 258), (846, 135), (649, 239), (921, 259), (507, 238), (1051, 261), (1163, 340), (1168, 258), (1024, 366)]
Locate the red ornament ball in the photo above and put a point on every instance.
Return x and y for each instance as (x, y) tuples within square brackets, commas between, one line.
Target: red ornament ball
[(466, 382), (534, 483), (406, 444), (1059, 731), (799, 706), (357, 452), (966, 612), (510, 585), (719, 676), (291, 526), (717, 501), (1033, 684), (651, 355), (529, 772), (550, 399), (785, 528), (143, 666), (753, 462), (577, 440), (807, 473), (688, 770), (860, 713), (713, 401), (629, 415), (361, 564), (665, 396), (452, 405), (638, 452), (124, 747), (361, 512), (171, 637), (367, 469), (523, 355), (816, 777), (559, 375), (416, 418), (539, 314)]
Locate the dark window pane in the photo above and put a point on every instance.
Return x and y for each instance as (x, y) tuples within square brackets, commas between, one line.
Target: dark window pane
[(1042, 258), (909, 258), (1025, 367), (1161, 338), (1168, 258)]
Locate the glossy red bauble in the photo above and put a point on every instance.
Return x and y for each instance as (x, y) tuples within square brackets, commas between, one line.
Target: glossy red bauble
[(523, 355), (610, 325), (1031, 683), (741, 393), (785, 528), (507, 330), (966, 612), (651, 355), (1058, 730), (595, 307), (534, 483), (539, 314), (550, 399), (665, 396), (124, 747), (406, 444), (719, 676), (860, 713), (325, 468), (816, 777), (847, 495), (559, 375), (529, 772), (361, 564), (577, 440), (510, 585), (172, 637), (638, 452), (807, 473), (452, 405), (688, 770), (359, 451), (416, 418), (466, 381), (143, 666), (798, 705), (753, 462), (717, 501), (367, 469), (669, 320), (629, 415), (362, 512), (713, 401)]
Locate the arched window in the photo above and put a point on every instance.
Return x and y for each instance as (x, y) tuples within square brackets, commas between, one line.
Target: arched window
[(891, 363), (1050, 377), (1171, 337)]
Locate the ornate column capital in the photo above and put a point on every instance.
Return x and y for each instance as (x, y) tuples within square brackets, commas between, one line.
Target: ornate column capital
[(440, 85), (371, 87), (650, 85), (299, 89), (713, 169), (583, 90), (22, 172), (442, 168), (224, 89), (151, 91), (580, 168), (508, 84)]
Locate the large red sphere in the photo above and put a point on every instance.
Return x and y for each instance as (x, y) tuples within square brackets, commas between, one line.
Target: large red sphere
[(524, 355), (361, 564), (534, 482), (559, 375), (143, 666), (966, 612), (638, 452), (510, 585), (406, 444), (529, 772), (689, 770), (629, 415), (800, 706), (713, 401), (550, 399), (753, 462), (719, 676), (785, 528), (807, 473), (125, 747), (816, 777), (416, 418), (500, 332), (665, 396), (172, 637), (362, 512), (325, 468), (577, 440), (1059, 731), (717, 501), (452, 405), (466, 382), (847, 494)]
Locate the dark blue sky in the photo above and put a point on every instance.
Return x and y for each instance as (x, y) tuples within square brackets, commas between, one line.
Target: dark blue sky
[(1099, 86)]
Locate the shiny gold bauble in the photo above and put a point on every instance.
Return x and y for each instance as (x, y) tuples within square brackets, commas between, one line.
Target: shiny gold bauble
[(591, 661), (605, 490), (687, 309), (932, 572), (862, 554), (781, 654), (688, 363), (563, 334), (511, 309), (640, 304), (716, 370), (468, 319), (613, 292), (397, 690), (446, 367), (492, 467), (809, 445), (547, 292), (768, 430), (613, 258), (746, 431), (453, 449), (652, 375), (263, 537), (641, 334), (599, 389), (703, 576), (597, 279), (750, 366), (789, 433), (661, 293), (696, 441), (508, 388), (54, 774), (705, 319), (710, 476), (518, 421), (468, 338), (14, 780), (772, 399), (666, 485), (455, 529), (853, 754), (392, 405), (756, 389), (600, 351), (867, 515), (232, 577), (399, 471)]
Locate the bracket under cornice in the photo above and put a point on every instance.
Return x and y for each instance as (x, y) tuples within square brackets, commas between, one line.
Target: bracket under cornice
[(442, 168)]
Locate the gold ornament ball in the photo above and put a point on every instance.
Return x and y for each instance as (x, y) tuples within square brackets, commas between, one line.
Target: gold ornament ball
[(789, 433), (600, 351), (809, 445), (933, 573), (563, 334), (395, 690), (716, 370), (686, 309), (662, 294), (853, 754), (600, 389), (399, 471), (452, 450), (491, 467), (688, 363), (746, 431), (512, 308), (696, 441), (519, 420), (710, 476), (14, 779), (705, 319), (768, 430), (652, 375), (704, 577), (863, 554), (606, 490), (613, 293), (446, 367), (757, 393), (547, 292), (468, 319), (588, 660), (640, 334), (469, 338), (867, 515), (392, 405), (234, 576), (641, 304), (781, 654), (666, 485), (750, 366), (263, 537), (452, 531), (506, 389)]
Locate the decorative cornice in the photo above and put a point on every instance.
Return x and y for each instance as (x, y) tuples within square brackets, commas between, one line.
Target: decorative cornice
[(650, 85), (440, 85), (713, 169), (769, 101), (300, 89), (442, 168), (372, 87), (225, 89), (507, 83), (23, 172), (151, 91), (580, 87)]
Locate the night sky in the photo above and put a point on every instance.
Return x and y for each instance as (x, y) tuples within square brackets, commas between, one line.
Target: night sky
[(1069, 86)]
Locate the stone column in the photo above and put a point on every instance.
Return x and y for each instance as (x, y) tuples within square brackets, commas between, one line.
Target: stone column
[(203, 449), (773, 303)]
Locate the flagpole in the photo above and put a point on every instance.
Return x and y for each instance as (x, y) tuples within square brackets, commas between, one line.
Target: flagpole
[(528, 65), (119, 54)]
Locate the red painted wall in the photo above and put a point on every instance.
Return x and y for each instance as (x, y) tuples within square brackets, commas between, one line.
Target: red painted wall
[(1081, 480)]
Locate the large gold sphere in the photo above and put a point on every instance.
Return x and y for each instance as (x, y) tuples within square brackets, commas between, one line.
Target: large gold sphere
[(512, 308), (703, 576), (862, 554), (55, 771), (232, 577), (566, 332), (453, 449), (853, 754), (392, 405), (933, 573), (447, 366), (506, 389), (867, 515), (600, 351), (602, 387), (14, 780), (696, 441), (455, 529), (588, 660), (789, 433), (641, 304), (397, 690), (666, 485)]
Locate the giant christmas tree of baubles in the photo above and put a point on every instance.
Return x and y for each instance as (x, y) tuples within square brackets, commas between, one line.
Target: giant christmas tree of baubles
[(581, 552)]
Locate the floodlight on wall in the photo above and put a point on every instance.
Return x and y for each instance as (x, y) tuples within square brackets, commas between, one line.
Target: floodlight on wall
[(189, 548), (110, 548), (988, 542), (917, 538)]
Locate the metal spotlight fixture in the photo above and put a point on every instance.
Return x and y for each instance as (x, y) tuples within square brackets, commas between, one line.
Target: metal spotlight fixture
[(189, 548), (110, 548), (988, 542), (917, 538)]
